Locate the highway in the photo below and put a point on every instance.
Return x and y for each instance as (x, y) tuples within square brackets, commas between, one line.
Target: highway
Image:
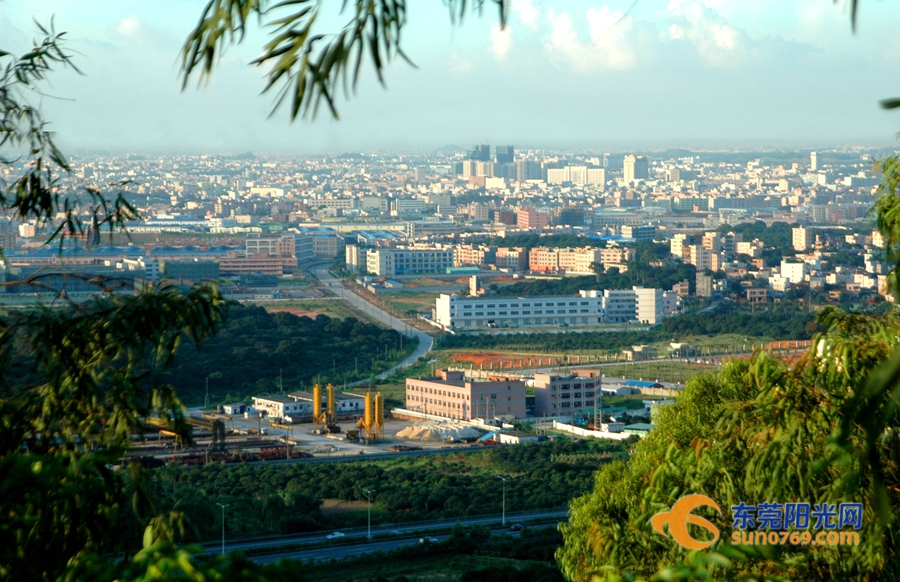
[(332, 283), (399, 535)]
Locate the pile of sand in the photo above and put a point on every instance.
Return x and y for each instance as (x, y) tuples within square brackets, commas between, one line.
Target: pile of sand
[(433, 430)]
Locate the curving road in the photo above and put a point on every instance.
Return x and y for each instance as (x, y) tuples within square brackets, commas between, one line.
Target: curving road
[(332, 283)]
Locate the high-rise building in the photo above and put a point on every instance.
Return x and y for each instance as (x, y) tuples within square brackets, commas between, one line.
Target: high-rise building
[(704, 285), (813, 161), (527, 170), (596, 177), (481, 153), (801, 237), (505, 154), (636, 168)]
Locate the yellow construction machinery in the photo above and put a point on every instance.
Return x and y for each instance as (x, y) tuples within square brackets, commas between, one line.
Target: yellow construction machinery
[(372, 422)]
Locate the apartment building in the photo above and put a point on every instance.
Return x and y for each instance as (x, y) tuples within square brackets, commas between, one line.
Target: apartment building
[(451, 395), (543, 259), (580, 260), (474, 255), (564, 394), (528, 217), (700, 257), (586, 308), (414, 260), (512, 258)]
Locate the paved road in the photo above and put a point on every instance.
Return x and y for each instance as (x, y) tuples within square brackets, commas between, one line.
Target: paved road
[(335, 285), (405, 533), (355, 550), (355, 543)]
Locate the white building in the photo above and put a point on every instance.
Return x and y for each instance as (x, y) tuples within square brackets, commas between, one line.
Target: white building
[(409, 260), (793, 272), (586, 308), (277, 406)]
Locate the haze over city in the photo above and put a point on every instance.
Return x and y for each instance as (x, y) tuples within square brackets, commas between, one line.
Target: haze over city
[(562, 75)]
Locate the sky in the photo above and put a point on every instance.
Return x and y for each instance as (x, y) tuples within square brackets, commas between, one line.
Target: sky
[(562, 74)]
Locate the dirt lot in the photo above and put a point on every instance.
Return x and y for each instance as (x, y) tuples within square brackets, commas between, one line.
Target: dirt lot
[(499, 360), (311, 313)]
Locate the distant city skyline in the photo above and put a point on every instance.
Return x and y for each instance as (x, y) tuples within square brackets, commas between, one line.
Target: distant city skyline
[(573, 75)]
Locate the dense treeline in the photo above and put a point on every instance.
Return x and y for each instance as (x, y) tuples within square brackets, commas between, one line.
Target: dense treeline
[(255, 346), (287, 498), (774, 324)]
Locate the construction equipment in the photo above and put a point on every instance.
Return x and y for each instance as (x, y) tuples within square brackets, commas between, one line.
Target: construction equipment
[(288, 441), (177, 438), (372, 421), (324, 416)]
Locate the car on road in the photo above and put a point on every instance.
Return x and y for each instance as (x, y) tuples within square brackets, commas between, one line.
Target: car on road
[(515, 527), (334, 536), (393, 532), (429, 540)]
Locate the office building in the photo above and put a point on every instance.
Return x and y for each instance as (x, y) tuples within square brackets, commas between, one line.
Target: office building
[(565, 394), (505, 154), (415, 260), (636, 168), (641, 233), (481, 153), (451, 395), (813, 161)]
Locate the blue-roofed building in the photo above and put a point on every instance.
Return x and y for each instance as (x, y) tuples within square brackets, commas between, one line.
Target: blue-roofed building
[(641, 384)]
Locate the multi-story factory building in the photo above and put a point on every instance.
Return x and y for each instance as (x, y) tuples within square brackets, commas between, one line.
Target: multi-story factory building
[(451, 395), (637, 305)]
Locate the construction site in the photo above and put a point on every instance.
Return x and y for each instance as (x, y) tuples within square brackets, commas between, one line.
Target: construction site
[(254, 437)]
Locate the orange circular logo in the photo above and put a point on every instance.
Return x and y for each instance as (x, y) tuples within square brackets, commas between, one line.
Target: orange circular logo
[(680, 516)]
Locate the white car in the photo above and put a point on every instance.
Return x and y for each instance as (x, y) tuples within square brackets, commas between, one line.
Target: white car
[(334, 536), (429, 540)]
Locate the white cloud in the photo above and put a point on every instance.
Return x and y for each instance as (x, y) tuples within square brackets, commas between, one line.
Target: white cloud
[(130, 27), (501, 40), (715, 40), (616, 41), (528, 13)]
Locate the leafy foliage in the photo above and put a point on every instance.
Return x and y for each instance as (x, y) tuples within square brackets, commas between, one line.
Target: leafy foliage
[(758, 432), (308, 66), (279, 499), (250, 351)]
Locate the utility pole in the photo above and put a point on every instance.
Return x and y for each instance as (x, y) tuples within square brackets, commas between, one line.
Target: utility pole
[(369, 493), (504, 497), (223, 525)]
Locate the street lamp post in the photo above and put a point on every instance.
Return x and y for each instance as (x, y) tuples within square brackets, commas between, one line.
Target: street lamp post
[(223, 526), (504, 497), (369, 493)]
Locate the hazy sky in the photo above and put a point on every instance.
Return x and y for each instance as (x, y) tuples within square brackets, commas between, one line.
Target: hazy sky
[(564, 73)]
